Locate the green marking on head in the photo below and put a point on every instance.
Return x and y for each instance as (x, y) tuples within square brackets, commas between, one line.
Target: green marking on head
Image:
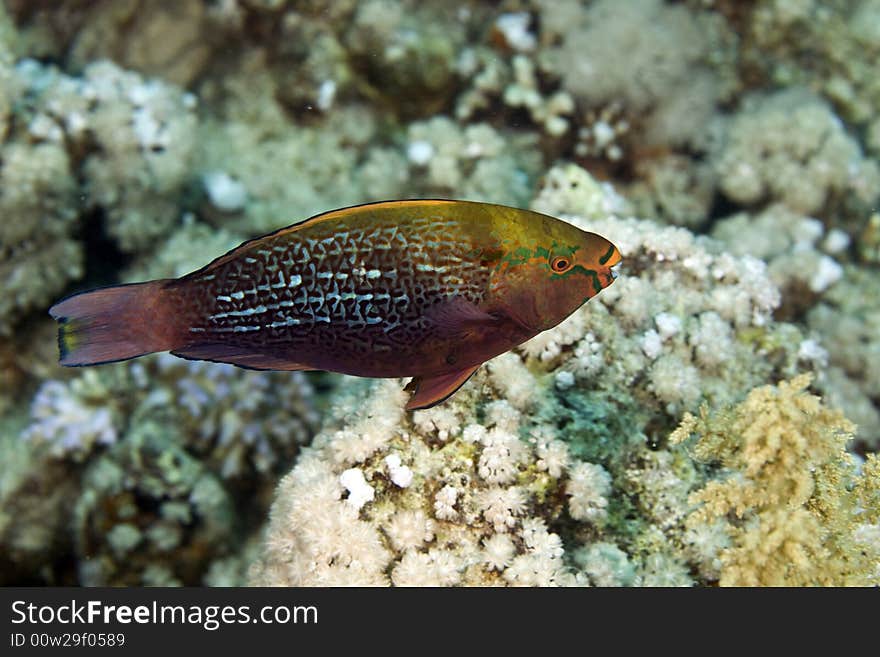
[(563, 250), (597, 285), (605, 258), (521, 255)]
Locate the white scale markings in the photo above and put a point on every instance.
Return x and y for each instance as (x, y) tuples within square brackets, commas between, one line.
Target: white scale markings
[(240, 313), (290, 321), (424, 267), (296, 280)]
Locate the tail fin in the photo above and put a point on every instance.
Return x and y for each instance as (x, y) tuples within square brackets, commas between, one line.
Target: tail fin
[(114, 323)]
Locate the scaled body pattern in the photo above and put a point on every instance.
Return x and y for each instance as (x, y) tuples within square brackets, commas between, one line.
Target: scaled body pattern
[(427, 288)]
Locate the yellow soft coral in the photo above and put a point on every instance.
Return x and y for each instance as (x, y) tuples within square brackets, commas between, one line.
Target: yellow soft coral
[(795, 508)]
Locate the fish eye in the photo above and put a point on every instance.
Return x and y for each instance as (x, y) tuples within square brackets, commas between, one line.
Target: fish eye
[(561, 264)]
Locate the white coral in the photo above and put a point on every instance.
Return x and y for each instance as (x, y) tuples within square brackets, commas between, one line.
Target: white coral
[(498, 551), (433, 568), (64, 418), (502, 453), (501, 506), (588, 487), (792, 148), (410, 529), (444, 503), (359, 491)]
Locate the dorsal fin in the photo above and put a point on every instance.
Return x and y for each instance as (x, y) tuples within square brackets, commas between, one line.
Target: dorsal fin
[(318, 218)]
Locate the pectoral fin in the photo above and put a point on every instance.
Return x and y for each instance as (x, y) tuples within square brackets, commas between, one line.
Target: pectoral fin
[(430, 391), (455, 316)]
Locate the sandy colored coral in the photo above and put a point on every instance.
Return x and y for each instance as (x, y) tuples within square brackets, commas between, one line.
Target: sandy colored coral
[(790, 496)]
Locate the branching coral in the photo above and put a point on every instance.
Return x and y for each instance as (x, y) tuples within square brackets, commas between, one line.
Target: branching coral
[(475, 162), (241, 422), (848, 320), (179, 457), (790, 147), (516, 84), (669, 76), (475, 512), (135, 136), (792, 245), (37, 492), (144, 500), (790, 497)]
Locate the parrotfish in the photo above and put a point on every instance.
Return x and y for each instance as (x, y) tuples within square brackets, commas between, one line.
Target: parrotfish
[(429, 289)]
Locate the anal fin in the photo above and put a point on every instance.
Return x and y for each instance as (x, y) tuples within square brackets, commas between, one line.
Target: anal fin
[(430, 391), (224, 353)]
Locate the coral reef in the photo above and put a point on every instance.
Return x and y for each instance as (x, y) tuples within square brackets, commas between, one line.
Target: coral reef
[(173, 457), (793, 504), (790, 147), (38, 254), (531, 475), (132, 138), (672, 74)]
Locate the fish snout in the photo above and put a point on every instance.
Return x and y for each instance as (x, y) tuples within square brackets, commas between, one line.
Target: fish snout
[(615, 269)]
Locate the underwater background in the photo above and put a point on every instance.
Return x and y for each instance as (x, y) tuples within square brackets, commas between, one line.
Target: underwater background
[(712, 418)]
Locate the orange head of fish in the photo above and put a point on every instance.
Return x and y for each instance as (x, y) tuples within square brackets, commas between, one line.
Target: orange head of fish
[(549, 268)]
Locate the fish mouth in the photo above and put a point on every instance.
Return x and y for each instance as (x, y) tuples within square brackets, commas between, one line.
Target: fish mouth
[(615, 270)]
